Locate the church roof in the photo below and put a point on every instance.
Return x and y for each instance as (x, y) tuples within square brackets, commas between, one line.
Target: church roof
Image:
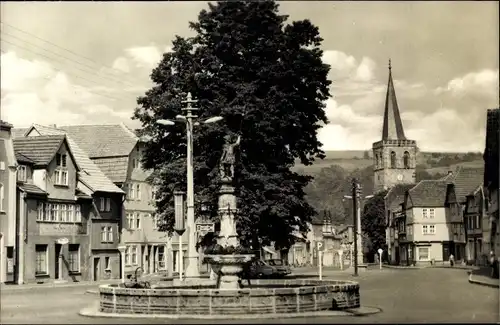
[(393, 127)]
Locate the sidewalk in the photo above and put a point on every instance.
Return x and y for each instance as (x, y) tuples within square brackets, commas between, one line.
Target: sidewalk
[(455, 267), (482, 277), (30, 286)]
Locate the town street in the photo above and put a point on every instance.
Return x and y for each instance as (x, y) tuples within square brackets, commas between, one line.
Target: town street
[(404, 295)]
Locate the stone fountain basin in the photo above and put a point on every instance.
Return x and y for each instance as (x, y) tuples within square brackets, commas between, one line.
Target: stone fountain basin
[(263, 297)]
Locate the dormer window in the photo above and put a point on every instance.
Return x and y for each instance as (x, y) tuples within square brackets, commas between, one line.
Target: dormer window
[(21, 174), (105, 204), (61, 172)]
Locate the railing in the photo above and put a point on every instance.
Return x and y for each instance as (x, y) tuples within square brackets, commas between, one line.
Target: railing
[(395, 143)]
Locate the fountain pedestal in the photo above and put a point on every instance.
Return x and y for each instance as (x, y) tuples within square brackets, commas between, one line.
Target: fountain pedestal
[(228, 266)]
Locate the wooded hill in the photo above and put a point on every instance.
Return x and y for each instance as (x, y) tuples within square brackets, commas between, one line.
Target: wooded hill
[(333, 175)]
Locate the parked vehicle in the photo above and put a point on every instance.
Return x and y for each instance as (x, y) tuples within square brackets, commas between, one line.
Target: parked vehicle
[(269, 269), (281, 265)]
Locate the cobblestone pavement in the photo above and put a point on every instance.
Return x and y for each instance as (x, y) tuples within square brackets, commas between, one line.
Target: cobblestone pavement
[(425, 295)]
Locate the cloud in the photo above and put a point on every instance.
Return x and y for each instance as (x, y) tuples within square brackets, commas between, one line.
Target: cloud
[(145, 56), (348, 129), (356, 109), (33, 91), (484, 82), (430, 116), (339, 61), (365, 70), (121, 64)]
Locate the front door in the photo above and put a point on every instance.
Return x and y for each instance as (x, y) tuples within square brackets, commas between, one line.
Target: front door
[(446, 251), (56, 262), (96, 268)]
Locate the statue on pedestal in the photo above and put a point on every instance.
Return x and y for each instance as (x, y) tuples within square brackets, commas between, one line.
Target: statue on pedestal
[(228, 158)]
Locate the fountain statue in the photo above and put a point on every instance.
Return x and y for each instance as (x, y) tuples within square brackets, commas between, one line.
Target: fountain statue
[(278, 297), (227, 257)]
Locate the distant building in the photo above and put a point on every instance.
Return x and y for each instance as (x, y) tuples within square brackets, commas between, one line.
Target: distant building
[(395, 223), (466, 181), (8, 168), (429, 228), (476, 223), (395, 157)]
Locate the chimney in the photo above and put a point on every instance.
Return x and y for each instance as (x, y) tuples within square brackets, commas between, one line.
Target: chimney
[(7, 127), (53, 126)]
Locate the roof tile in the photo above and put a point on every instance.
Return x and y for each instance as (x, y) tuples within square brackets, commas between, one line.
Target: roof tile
[(114, 168), (31, 188), (90, 174), (396, 195), (41, 150), (429, 193), (22, 158), (103, 140), (466, 180)]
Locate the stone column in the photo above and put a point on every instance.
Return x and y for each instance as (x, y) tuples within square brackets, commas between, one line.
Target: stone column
[(60, 271), (170, 258), (227, 210)]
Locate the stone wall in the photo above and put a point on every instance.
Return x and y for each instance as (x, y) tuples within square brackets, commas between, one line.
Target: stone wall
[(267, 297)]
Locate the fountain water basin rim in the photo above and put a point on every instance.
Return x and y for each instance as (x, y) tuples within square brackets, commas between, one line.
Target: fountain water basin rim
[(268, 298)]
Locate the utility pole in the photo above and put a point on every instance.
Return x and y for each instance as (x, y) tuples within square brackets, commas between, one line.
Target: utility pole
[(355, 198), (192, 269), (356, 215)]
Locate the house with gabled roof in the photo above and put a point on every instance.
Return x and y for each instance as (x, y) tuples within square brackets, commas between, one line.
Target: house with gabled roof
[(105, 214), (117, 151), (466, 181), (52, 214), (7, 204), (434, 226), (476, 223), (395, 223)]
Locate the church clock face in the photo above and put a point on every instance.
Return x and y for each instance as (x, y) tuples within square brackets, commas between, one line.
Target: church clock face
[(400, 177)]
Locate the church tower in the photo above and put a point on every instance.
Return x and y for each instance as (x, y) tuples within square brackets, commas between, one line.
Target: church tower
[(395, 157)]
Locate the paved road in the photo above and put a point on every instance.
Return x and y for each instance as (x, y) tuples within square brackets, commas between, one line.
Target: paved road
[(426, 295)]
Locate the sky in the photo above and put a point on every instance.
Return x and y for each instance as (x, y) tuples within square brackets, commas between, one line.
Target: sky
[(86, 62)]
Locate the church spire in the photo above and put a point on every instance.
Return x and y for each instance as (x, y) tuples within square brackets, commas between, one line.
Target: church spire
[(393, 127)]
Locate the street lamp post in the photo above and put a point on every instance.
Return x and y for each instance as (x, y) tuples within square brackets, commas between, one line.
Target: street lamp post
[(192, 269), (357, 240)]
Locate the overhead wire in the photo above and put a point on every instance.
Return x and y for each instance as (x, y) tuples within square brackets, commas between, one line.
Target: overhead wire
[(75, 76), (64, 49), (69, 59)]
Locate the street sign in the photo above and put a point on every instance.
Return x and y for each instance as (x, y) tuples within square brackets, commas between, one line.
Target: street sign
[(320, 246), (205, 227), (380, 251), (62, 241)]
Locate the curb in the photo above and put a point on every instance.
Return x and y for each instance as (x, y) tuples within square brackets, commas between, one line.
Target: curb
[(93, 311), (482, 283), (11, 288), (395, 267)]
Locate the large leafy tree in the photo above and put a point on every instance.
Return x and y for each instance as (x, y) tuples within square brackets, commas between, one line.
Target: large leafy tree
[(373, 222), (267, 80)]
